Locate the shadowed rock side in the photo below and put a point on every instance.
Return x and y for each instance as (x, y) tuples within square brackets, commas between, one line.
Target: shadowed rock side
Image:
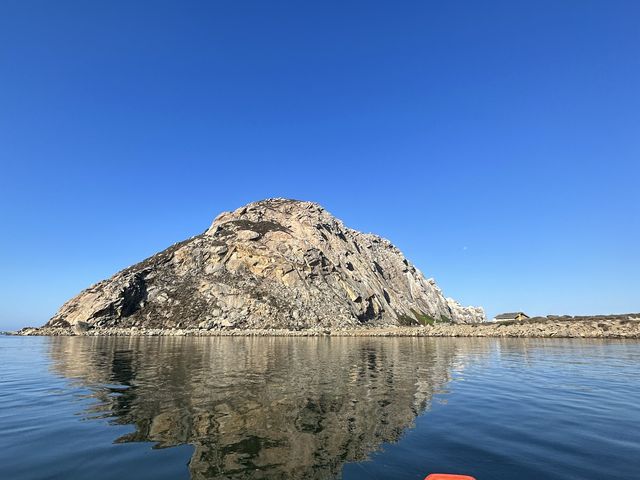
[(262, 408), (271, 264)]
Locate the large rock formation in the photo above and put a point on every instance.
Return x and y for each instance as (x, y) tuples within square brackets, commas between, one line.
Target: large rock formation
[(272, 264)]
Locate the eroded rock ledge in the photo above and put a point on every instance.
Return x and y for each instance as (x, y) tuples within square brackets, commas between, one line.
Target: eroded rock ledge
[(273, 264)]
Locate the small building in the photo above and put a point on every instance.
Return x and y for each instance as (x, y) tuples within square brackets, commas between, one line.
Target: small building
[(505, 317)]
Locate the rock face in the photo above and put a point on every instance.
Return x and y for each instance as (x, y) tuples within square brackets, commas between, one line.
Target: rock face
[(276, 263)]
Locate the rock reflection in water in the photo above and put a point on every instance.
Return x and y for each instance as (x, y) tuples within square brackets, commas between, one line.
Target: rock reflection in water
[(261, 407)]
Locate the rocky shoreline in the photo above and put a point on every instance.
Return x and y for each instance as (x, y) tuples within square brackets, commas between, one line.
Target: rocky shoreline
[(590, 327)]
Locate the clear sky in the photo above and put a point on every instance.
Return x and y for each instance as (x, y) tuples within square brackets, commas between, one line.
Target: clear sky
[(496, 143)]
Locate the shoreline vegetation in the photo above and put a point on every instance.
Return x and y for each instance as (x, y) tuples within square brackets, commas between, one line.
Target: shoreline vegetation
[(601, 326)]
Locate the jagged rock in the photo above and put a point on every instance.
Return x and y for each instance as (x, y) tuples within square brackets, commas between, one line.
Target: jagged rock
[(464, 314), (276, 263)]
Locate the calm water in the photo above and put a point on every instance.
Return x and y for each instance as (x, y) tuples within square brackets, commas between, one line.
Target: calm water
[(289, 408)]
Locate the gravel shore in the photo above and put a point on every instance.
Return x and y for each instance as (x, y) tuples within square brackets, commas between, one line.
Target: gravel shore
[(593, 327)]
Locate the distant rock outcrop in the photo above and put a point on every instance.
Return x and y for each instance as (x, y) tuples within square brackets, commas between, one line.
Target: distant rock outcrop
[(276, 263)]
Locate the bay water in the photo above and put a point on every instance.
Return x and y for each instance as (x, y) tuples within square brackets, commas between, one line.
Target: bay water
[(318, 408)]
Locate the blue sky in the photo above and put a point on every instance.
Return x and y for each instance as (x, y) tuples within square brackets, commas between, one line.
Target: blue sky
[(496, 143)]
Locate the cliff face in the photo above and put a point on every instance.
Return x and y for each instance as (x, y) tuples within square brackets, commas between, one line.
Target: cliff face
[(272, 264)]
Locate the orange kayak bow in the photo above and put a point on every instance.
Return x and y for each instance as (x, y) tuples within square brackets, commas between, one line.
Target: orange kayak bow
[(447, 476)]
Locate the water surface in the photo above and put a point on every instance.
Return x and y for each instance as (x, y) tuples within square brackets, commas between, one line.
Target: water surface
[(320, 408)]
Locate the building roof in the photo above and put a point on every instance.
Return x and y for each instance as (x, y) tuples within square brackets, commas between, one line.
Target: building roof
[(510, 315)]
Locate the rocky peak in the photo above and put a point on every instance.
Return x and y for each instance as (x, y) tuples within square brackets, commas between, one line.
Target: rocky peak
[(276, 263)]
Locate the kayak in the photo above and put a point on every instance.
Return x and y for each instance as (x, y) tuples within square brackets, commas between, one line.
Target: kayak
[(448, 476)]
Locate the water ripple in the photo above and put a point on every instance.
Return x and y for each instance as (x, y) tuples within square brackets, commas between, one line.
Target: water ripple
[(318, 408)]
